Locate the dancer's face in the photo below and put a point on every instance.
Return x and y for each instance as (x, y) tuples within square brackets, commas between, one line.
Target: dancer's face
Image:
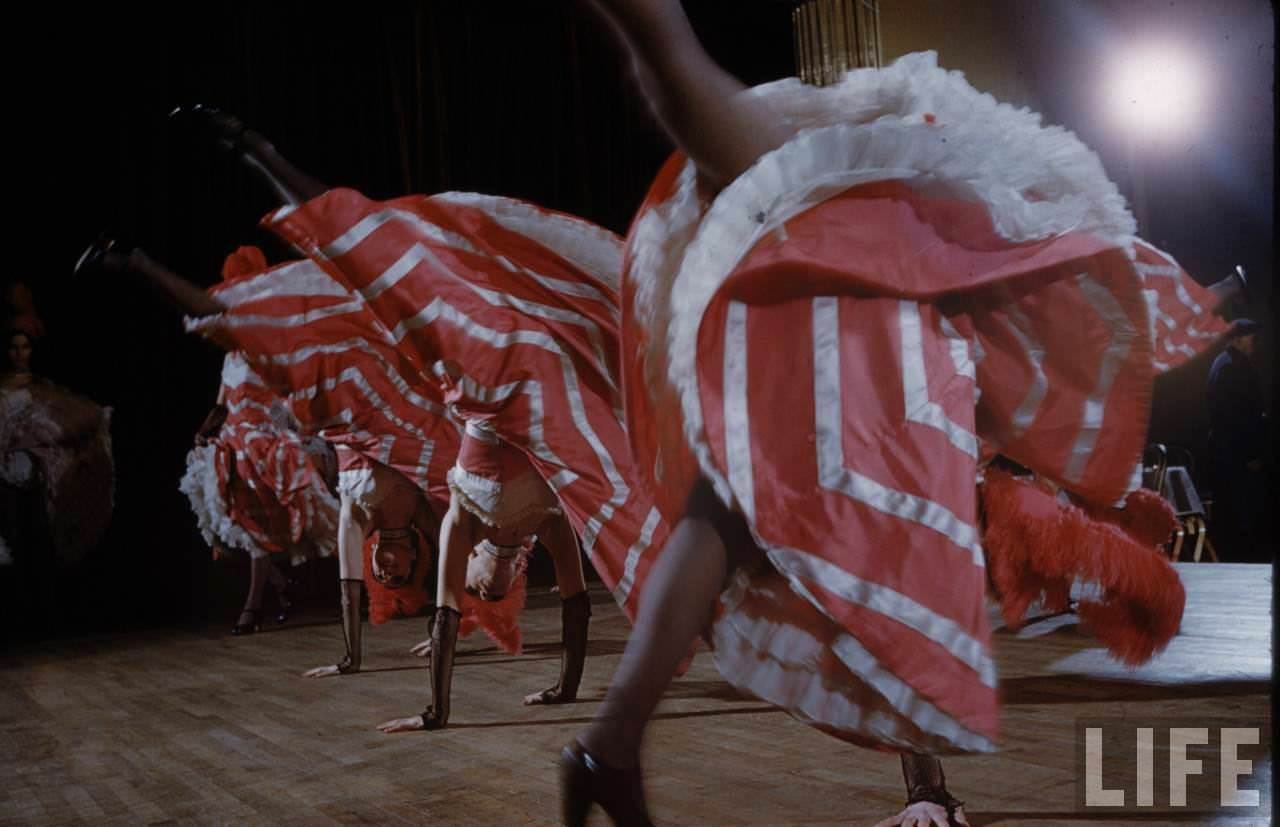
[(393, 562), (488, 577), (20, 353)]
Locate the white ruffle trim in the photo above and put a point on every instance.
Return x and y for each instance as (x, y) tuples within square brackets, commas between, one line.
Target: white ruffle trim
[(1035, 181), (201, 485), (588, 246), (204, 491), (357, 485), (788, 667), (203, 325), (322, 526), (510, 504)]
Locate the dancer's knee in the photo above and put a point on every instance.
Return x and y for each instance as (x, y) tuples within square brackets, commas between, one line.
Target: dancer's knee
[(730, 525)]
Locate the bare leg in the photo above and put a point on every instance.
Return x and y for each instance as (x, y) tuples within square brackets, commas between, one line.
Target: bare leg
[(676, 608), (185, 295), (289, 183), (259, 573), (292, 185), (278, 581), (281, 585), (251, 615), (700, 105)]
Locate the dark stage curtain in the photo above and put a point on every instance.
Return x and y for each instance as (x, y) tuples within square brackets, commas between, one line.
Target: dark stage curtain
[(526, 98)]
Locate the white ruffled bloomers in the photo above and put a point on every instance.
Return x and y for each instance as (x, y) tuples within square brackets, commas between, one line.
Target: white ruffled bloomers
[(213, 517)]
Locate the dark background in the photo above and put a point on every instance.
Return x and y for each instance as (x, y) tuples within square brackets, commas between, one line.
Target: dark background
[(519, 98), (525, 99)]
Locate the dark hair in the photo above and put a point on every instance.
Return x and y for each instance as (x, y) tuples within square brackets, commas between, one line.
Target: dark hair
[(11, 331)]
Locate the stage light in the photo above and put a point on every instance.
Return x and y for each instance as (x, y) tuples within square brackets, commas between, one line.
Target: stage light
[(1155, 91)]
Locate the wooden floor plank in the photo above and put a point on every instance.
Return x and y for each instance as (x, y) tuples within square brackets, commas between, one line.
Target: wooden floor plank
[(194, 727)]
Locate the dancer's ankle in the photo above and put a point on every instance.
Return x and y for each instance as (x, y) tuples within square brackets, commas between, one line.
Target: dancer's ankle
[(606, 745)]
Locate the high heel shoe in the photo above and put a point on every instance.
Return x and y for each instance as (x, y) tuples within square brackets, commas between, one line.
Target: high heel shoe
[(94, 258), (584, 781), (1242, 281), (284, 604), (254, 624), (228, 130)]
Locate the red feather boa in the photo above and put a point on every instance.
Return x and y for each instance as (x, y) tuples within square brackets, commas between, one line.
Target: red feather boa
[(500, 619), (1037, 546)]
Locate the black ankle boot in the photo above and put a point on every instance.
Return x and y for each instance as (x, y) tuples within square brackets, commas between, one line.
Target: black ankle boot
[(584, 781), (226, 129), (444, 640)]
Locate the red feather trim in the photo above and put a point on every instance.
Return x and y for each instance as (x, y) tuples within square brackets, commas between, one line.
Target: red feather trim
[(1037, 546), (386, 604), (499, 619), (244, 261)]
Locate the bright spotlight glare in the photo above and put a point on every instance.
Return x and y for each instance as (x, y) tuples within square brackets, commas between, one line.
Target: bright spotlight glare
[(1155, 92)]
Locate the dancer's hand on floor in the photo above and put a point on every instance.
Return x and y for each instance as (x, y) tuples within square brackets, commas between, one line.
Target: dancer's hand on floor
[(412, 724), (546, 696), (923, 814), (323, 671), (422, 650)]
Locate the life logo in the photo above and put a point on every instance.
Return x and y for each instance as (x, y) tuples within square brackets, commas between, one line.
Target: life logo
[(1208, 767)]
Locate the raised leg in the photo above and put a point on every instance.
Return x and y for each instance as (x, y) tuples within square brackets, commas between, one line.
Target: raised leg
[(706, 545), (290, 184), (603, 766), (701, 106), (186, 296)]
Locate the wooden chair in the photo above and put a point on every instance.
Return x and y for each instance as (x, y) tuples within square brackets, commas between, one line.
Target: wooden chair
[(1167, 469)]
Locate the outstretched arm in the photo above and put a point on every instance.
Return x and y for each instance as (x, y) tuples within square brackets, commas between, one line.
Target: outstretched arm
[(558, 537), (458, 535), (351, 531), (561, 542), (929, 804)]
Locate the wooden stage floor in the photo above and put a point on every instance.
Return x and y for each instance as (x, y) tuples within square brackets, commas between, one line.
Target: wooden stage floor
[(183, 727)]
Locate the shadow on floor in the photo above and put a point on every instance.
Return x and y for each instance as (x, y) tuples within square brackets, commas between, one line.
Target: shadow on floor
[(1074, 689), (991, 819), (661, 716)]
